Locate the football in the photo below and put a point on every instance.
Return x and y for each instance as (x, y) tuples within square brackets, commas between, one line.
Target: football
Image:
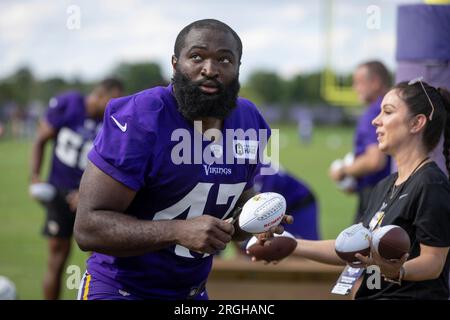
[(262, 212), (348, 182), (391, 242), (277, 248), (7, 289), (44, 192), (355, 239)]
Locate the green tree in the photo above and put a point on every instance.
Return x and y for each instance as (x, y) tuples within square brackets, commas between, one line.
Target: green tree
[(49, 88), (248, 93), (6, 92), (267, 86), (311, 87), (294, 91), (139, 76), (22, 84)]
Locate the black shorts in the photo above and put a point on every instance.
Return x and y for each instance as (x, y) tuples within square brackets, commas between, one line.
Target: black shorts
[(59, 218)]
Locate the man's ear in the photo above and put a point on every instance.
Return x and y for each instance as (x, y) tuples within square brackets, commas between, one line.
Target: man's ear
[(174, 63), (418, 123)]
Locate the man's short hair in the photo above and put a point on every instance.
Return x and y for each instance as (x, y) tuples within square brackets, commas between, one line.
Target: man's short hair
[(205, 24), (110, 84), (378, 69)]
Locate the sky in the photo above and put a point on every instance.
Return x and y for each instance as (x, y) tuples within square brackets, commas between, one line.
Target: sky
[(88, 38)]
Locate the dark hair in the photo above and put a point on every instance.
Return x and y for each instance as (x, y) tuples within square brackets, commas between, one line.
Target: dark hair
[(378, 69), (417, 102), (110, 84), (445, 96), (205, 24)]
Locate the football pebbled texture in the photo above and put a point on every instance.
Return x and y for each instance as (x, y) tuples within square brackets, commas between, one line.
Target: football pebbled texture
[(277, 248), (391, 242), (262, 212), (352, 240)]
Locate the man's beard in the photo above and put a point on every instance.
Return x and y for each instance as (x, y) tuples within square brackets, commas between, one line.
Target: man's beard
[(194, 104)]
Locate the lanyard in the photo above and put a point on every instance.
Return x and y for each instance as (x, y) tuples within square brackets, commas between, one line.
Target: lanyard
[(349, 275), (394, 191)]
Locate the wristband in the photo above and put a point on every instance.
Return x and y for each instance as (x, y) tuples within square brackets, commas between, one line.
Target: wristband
[(399, 279)]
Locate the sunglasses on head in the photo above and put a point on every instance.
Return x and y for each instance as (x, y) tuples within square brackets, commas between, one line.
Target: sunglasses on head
[(419, 80)]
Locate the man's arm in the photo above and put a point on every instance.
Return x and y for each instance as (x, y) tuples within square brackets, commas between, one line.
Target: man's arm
[(372, 160), (102, 226), (44, 134)]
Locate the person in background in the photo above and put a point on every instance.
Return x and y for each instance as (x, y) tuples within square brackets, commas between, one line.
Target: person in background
[(71, 122), (371, 80), (413, 116)]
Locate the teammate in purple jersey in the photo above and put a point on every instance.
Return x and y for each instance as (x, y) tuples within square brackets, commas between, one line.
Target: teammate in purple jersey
[(371, 80), (71, 122), (157, 194), (300, 202)]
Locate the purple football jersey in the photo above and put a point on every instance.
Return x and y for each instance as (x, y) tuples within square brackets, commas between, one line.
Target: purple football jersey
[(75, 133), (138, 146), (366, 135)]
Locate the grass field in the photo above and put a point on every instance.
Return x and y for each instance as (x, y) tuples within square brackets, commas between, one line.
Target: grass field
[(23, 250)]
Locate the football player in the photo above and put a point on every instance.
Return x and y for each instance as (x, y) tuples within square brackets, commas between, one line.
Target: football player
[(154, 221), (71, 122)]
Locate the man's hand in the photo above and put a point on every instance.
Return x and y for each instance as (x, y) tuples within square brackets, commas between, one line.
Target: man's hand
[(33, 180), (204, 234), (279, 229), (44, 134), (341, 179), (72, 200), (30, 191), (265, 237), (337, 174)]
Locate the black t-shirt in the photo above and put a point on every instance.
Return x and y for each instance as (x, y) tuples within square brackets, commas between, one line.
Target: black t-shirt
[(421, 206)]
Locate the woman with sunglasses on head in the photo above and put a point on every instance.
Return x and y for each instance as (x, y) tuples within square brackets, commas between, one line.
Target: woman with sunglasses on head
[(416, 198)]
